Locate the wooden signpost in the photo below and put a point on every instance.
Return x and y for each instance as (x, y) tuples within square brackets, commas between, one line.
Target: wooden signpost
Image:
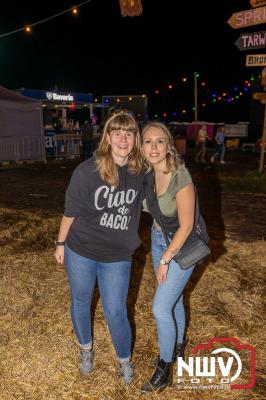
[(251, 41), (256, 60), (254, 16), (260, 96), (257, 3)]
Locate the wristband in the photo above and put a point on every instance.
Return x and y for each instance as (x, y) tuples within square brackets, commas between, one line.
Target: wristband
[(59, 243)]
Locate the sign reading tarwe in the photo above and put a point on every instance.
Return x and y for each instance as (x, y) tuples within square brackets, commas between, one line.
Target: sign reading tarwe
[(252, 40)]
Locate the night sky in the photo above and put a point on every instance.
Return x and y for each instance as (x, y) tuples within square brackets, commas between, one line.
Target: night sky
[(101, 52)]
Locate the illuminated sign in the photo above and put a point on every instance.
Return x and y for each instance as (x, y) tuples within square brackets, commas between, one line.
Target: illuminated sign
[(56, 96), (44, 95)]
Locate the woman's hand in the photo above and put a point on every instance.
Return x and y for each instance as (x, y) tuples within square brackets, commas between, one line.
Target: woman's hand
[(59, 254), (161, 273)]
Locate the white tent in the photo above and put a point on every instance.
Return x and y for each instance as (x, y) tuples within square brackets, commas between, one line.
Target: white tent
[(21, 127)]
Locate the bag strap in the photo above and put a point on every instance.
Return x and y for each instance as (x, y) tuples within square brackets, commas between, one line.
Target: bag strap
[(155, 210), (166, 238), (196, 218)]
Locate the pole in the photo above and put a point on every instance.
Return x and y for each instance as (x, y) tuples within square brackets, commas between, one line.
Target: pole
[(262, 151), (196, 102)]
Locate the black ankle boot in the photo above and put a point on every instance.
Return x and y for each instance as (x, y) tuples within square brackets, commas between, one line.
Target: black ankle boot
[(179, 350), (162, 377)]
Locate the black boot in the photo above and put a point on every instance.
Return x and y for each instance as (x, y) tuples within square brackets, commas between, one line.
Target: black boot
[(162, 377), (179, 351)]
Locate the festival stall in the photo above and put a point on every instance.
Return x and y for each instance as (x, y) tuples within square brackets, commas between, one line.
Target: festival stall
[(61, 126)]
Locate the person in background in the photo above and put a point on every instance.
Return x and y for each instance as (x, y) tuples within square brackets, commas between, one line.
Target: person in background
[(70, 127), (173, 186), (220, 145), (58, 126), (201, 144), (87, 139), (99, 233)]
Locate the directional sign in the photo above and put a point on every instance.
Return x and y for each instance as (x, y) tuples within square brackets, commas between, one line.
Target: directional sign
[(260, 96), (256, 60), (257, 3), (251, 41), (248, 18)]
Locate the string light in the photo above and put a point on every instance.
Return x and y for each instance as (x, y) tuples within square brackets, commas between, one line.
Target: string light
[(46, 19), (213, 98)]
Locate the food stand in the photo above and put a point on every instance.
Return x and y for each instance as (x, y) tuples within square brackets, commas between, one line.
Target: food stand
[(63, 112)]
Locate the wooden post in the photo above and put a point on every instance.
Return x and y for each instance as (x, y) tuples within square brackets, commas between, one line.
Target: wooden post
[(130, 8), (196, 103), (262, 150)]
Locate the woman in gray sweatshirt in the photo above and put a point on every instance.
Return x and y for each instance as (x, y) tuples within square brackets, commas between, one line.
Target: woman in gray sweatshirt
[(99, 233)]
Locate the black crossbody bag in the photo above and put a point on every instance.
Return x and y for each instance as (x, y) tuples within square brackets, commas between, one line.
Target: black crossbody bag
[(195, 248)]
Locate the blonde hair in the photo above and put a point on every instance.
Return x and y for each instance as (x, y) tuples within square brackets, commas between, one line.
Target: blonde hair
[(173, 159), (104, 160)]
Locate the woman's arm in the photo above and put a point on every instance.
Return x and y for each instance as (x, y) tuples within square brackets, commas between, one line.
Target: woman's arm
[(65, 225), (185, 204)]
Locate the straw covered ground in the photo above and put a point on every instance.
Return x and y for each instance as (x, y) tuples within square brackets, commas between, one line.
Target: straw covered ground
[(38, 354)]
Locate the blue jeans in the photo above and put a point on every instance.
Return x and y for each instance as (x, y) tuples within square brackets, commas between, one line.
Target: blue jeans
[(113, 281), (168, 307), (219, 151)]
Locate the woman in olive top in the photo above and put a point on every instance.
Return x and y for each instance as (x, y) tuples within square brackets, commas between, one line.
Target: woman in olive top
[(175, 193)]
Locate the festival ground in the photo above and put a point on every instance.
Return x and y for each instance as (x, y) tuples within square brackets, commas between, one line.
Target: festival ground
[(223, 299)]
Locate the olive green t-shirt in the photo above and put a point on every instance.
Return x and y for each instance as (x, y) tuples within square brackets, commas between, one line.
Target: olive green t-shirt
[(167, 201)]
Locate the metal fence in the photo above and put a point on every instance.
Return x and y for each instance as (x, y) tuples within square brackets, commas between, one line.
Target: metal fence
[(15, 148)]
